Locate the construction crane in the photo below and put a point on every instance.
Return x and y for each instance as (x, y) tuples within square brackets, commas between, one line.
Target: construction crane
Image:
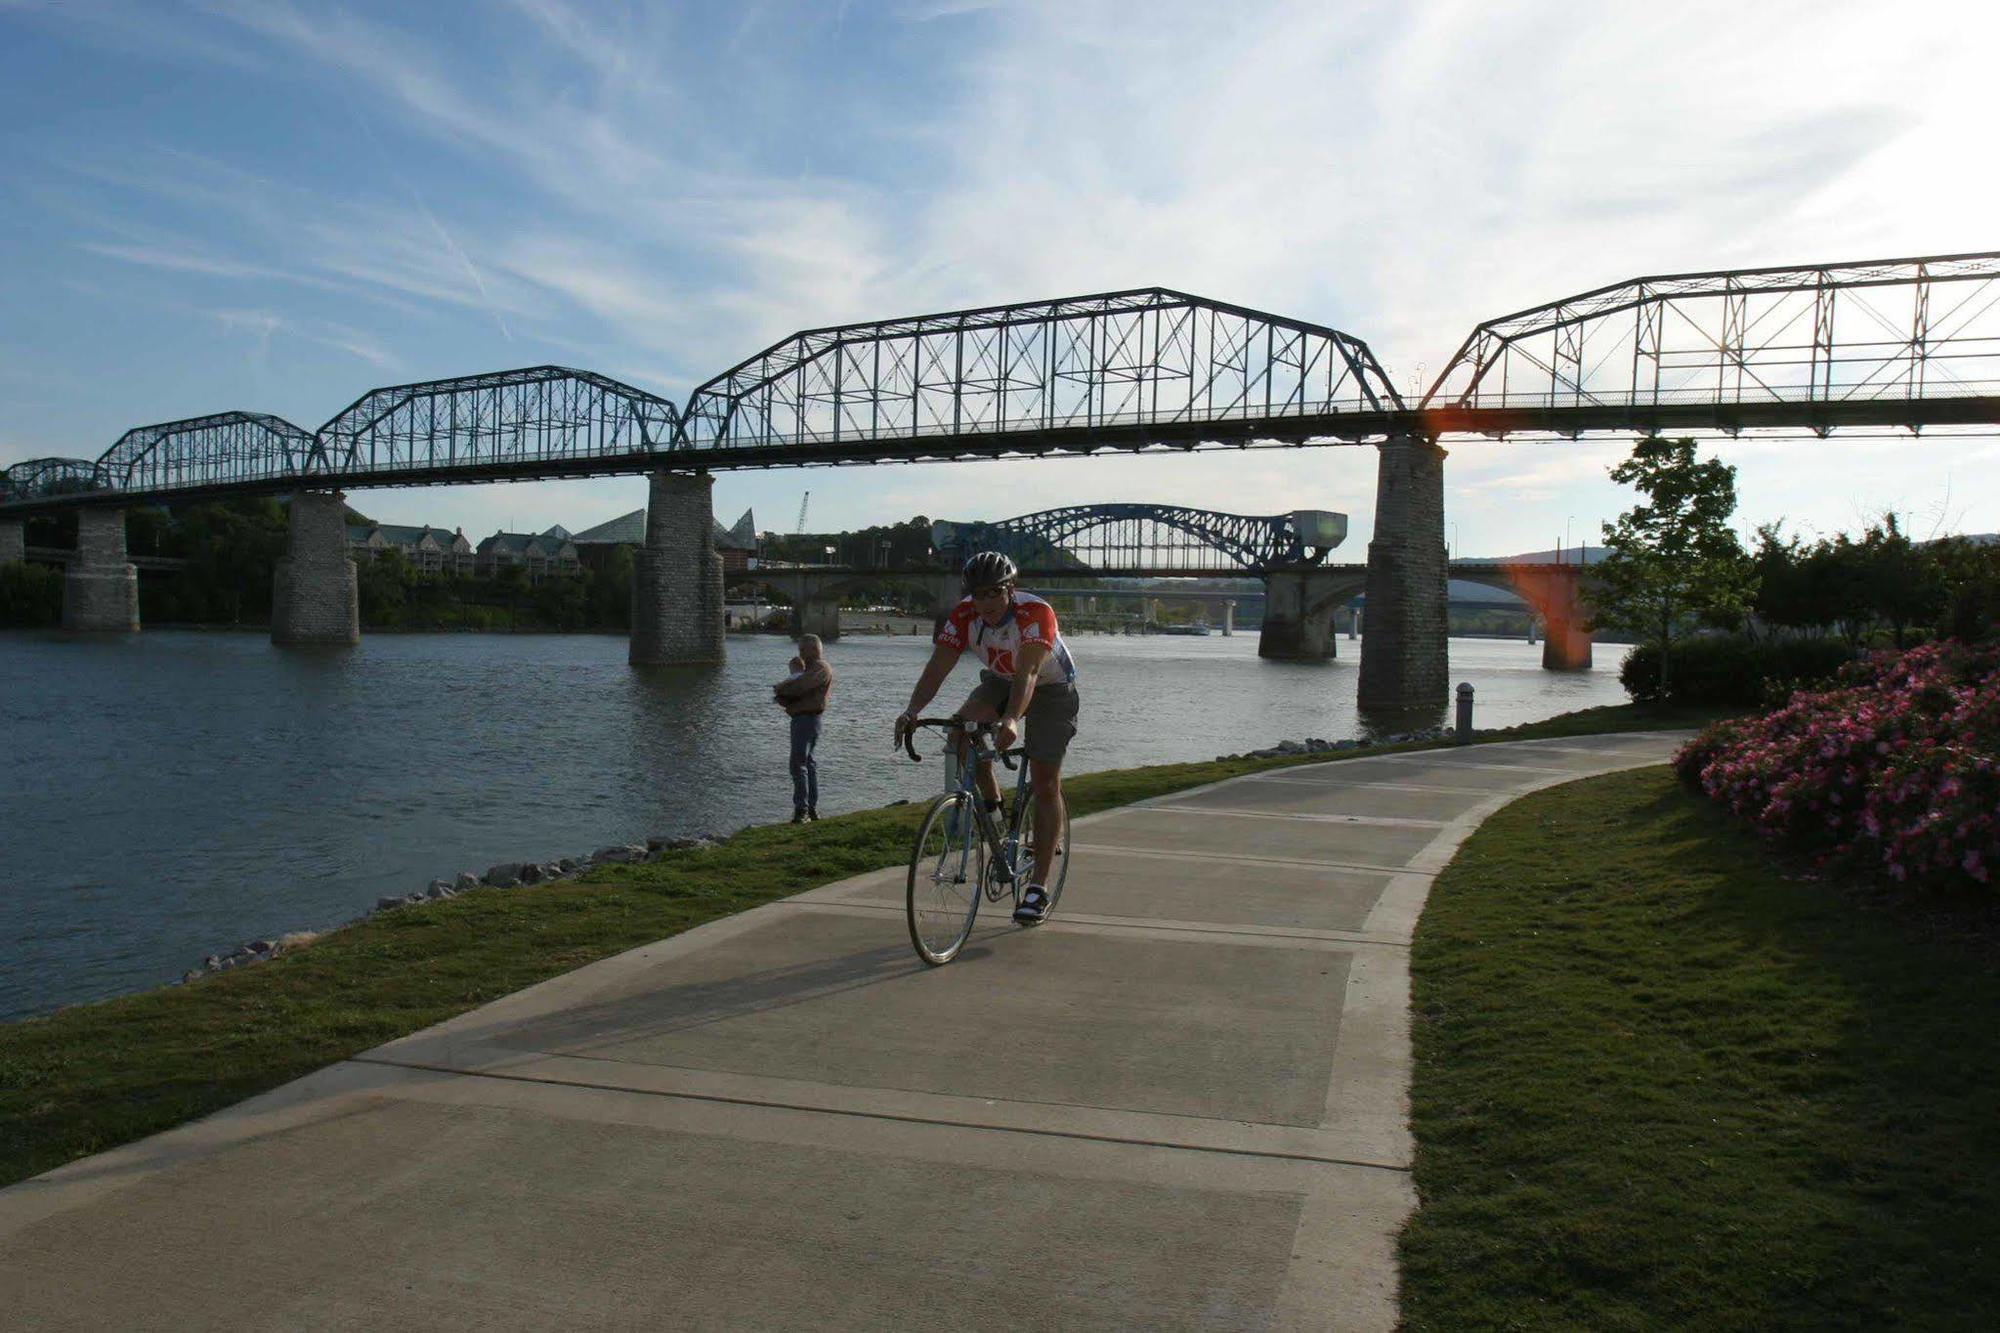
[(800, 526)]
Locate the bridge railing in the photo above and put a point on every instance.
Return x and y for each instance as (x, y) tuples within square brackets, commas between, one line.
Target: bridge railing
[(1082, 423)]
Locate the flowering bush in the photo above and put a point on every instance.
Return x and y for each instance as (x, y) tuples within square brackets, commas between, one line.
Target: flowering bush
[(1897, 766)]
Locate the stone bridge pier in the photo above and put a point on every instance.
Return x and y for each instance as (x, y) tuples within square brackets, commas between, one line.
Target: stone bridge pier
[(947, 590), (13, 541), (1557, 597), (316, 596), (817, 615), (1404, 654), (677, 575), (815, 599), (1299, 603), (101, 588)]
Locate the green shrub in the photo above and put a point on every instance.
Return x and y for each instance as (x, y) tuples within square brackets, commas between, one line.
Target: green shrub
[(1732, 668), (30, 595)]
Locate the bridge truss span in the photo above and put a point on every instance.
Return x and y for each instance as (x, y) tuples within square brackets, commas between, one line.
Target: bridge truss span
[(1886, 343), (49, 478), (1127, 369), (223, 448), (543, 419)]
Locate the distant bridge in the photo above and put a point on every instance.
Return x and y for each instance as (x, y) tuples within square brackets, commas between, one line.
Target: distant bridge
[(1286, 552), (1112, 540)]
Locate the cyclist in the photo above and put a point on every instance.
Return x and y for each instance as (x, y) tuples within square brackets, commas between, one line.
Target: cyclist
[(1026, 673)]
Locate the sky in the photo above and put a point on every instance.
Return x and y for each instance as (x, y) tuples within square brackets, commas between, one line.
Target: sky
[(275, 206)]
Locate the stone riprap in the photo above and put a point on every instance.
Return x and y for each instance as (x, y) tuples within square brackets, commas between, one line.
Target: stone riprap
[(507, 875)]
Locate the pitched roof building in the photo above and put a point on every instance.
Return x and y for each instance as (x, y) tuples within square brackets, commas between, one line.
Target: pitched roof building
[(429, 550), (543, 554)]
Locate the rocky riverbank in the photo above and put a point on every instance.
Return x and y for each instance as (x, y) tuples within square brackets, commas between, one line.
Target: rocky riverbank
[(506, 875), (1315, 745)]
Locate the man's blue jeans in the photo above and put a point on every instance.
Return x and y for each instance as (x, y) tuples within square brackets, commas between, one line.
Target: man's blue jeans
[(805, 772)]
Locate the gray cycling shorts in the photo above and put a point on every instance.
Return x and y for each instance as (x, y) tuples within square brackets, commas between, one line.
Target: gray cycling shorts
[(1051, 719)]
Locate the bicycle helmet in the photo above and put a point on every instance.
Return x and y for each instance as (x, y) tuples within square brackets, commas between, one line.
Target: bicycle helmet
[(988, 569)]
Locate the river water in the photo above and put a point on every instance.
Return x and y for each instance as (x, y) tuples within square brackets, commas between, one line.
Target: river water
[(170, 794)]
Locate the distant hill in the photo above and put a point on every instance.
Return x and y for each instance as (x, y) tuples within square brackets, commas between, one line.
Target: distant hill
[(1591, 555)]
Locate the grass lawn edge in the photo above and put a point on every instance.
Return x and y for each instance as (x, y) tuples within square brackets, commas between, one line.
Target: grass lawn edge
[(1667, 1075)]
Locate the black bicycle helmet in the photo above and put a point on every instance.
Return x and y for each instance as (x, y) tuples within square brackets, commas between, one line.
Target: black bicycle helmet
[(988, 569)]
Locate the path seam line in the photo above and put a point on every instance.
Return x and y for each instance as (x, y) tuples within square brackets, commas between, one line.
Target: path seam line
[(1129, 1140)]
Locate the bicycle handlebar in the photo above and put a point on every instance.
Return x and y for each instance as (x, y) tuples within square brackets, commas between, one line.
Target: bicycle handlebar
[(958, 724)]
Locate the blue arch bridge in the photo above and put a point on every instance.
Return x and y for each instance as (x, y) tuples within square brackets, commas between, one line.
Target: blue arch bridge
[(1901, 344)]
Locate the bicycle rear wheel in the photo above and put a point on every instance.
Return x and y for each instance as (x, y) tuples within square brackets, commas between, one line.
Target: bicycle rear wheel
[(1058, 869), (947, 865)]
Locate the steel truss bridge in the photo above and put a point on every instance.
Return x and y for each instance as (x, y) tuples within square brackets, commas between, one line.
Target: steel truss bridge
[(1109, 540), (1906, 343)]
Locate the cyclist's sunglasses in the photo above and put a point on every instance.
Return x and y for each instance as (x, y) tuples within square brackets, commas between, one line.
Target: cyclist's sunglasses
[(989, 592)]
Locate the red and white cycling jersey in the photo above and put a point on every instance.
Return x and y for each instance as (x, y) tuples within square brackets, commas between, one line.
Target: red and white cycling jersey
[(1028, 620)]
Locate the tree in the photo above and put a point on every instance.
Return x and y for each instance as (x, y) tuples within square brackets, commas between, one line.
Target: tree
[(30, 594), (1900, 584), (1674, 559), (384, 585), (232, 549), (1968, 573)]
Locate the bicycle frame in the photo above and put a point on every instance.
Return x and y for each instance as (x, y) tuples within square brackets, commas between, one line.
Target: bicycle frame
[(990, 858), (1006, 849)]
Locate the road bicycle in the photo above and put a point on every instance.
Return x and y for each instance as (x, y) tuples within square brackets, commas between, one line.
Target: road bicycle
[(965, 852)]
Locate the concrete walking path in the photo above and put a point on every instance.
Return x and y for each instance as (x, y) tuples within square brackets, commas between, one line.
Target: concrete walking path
[(1181, 1104)]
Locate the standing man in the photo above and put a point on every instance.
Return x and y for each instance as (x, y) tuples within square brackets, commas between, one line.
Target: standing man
[(1027, 674), (803, 695)]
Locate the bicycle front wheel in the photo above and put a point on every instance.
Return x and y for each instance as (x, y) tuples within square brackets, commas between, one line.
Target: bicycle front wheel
[(947, 865)]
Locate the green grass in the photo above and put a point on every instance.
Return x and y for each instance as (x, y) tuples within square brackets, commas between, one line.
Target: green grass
[(1667, 1079), (1617, 717)]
